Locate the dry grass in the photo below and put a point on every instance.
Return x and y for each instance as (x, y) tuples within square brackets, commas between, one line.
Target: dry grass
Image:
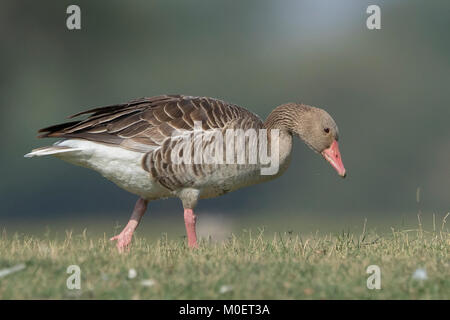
[(247, 266)]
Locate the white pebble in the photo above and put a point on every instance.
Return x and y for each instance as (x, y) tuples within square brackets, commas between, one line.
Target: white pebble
[(7, 271), (132, 273), (225, 289), (420, 274), (148, 283)]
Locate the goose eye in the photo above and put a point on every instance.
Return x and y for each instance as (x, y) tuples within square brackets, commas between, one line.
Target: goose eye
[(327, 130)]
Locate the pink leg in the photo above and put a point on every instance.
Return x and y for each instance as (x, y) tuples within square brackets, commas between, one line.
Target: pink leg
[(124, 238), (189, 221)]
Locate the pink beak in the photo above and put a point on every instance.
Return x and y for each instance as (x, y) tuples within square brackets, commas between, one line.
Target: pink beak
[(333, 156)]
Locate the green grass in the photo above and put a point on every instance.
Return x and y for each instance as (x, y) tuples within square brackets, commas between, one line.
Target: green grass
[(249, 265)]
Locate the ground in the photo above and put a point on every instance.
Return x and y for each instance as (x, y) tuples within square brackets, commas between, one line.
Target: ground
[(250, 265)]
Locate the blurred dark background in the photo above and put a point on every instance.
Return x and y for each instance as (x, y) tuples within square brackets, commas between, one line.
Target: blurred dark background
[(388, 90)]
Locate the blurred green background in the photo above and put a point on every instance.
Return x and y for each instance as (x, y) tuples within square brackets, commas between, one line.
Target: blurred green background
[(388, 90)]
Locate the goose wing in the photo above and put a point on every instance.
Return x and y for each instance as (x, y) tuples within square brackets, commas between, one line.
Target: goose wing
[(147, 125), (144, 124)]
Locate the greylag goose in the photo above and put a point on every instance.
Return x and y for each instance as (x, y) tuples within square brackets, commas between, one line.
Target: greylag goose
[(146, 146)]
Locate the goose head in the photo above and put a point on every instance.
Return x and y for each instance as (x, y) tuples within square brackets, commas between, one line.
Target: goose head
[(314, 126)]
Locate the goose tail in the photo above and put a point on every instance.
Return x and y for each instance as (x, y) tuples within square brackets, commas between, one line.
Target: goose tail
[(51, 150)]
